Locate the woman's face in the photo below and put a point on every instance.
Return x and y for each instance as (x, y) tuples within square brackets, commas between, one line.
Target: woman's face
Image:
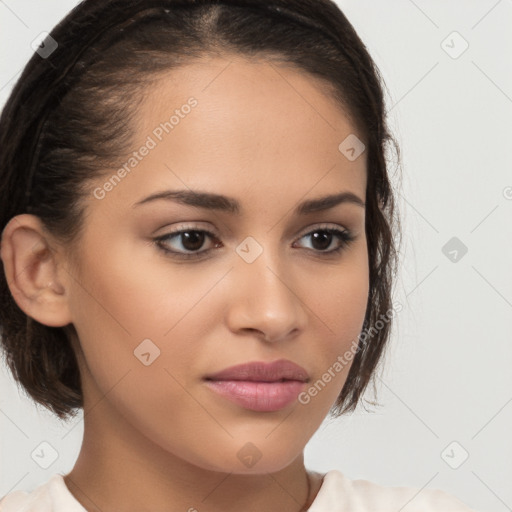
[(158, 313)]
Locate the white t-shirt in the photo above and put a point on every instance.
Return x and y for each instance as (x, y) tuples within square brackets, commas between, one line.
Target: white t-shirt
[(337, 494)]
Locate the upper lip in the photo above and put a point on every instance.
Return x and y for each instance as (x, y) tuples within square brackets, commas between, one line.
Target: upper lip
[(259, 371)]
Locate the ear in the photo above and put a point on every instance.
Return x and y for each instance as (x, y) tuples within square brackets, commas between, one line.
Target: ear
[(34, 276)]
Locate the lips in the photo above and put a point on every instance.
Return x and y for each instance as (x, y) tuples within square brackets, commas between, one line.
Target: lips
[(260, 386), (263, 372)]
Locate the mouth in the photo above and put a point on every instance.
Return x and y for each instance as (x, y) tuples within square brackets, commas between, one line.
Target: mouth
[(260, 386)]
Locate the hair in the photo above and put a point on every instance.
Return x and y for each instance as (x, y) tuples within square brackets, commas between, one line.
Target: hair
[(71, 115)]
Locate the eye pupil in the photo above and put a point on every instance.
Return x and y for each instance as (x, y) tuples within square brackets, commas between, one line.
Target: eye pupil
[(322, 236), (193, 240)]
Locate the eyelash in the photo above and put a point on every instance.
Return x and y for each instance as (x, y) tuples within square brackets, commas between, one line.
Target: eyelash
[(345, 237)]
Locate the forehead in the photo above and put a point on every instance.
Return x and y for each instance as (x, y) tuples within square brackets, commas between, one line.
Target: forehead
[(264, 96), (254, 125)]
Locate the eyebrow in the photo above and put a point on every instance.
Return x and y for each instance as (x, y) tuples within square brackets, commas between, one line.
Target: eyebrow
[(210, 201)]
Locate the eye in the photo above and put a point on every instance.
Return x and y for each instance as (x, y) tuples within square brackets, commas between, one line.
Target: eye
[(190, 240), (322, 239)]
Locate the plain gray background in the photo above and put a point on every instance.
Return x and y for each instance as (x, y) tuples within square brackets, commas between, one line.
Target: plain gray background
[(446, 387)]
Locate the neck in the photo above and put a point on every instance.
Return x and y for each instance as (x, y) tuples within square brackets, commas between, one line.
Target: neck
[(128, 472)]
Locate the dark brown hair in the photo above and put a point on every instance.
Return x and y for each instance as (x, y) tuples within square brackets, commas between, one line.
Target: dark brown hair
[(70, 115)]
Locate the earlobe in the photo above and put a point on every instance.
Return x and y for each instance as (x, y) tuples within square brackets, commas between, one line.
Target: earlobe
[(33, 273)]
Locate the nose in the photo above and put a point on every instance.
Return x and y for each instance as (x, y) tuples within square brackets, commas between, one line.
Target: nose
[(267, 299)]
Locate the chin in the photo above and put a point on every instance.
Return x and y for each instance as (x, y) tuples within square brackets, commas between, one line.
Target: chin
[(247, 457)]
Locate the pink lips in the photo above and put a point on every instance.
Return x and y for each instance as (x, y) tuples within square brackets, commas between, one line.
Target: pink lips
[(260, 386)]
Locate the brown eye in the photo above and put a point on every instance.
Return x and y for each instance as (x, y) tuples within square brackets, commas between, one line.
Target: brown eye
[(186, 242), (192, 240), (322, 239)]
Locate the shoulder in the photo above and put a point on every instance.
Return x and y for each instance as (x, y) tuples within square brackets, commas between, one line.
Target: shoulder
[(51, 496), (339, 493)]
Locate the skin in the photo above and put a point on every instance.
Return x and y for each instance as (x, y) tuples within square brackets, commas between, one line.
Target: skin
[(155, 437)]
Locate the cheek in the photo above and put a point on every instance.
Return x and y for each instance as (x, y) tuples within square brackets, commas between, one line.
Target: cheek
[(140, 332), (134, 295), (143, 315), (338, 306), (346, 308), (340, 297), (128, 314)]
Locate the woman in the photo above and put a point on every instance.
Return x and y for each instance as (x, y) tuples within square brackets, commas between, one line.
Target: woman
[(198, 228)]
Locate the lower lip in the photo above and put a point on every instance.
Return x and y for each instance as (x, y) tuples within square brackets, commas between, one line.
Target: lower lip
[(258, 396)]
